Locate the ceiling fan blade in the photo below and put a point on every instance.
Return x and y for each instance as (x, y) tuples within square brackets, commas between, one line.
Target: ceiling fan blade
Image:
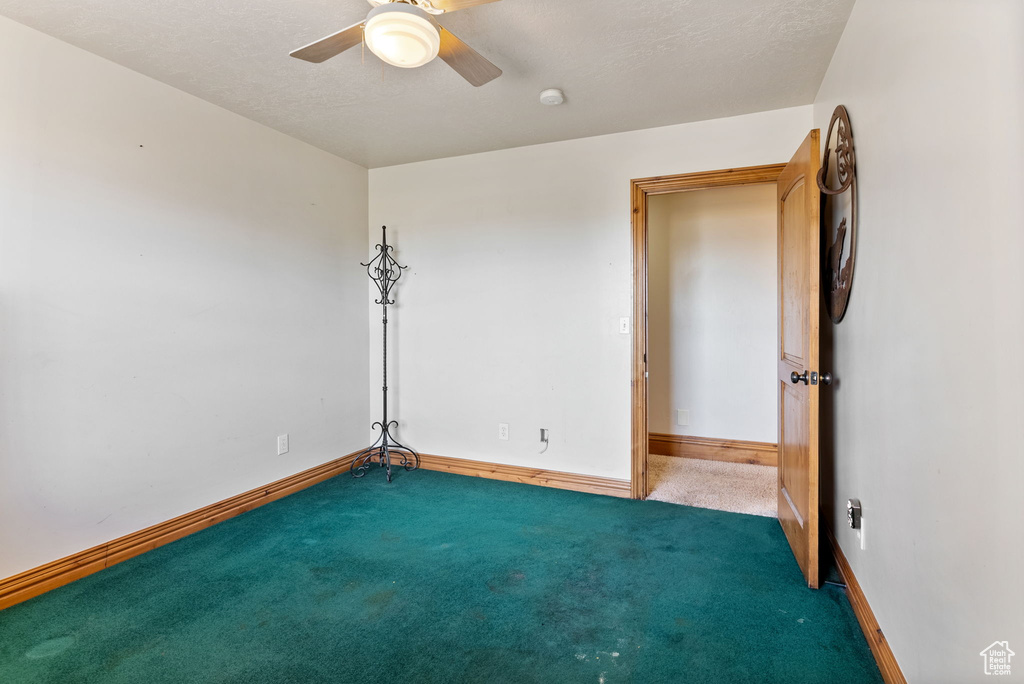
[(332, 45), (452, 5), (465, 60)]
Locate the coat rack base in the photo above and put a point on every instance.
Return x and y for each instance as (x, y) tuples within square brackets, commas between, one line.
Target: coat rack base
[(381, 452)]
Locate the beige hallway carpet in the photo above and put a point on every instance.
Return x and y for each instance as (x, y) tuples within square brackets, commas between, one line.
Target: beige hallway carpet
[(736, 487)]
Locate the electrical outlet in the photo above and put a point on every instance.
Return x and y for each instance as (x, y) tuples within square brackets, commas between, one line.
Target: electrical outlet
[(503, 431), (624, 326), (682, 417), (282, 444), (853, 513)]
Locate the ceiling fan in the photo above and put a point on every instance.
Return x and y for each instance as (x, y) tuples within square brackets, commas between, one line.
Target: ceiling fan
[(405, 34)]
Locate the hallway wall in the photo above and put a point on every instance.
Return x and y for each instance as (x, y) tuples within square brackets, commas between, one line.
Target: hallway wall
[(712, 310)]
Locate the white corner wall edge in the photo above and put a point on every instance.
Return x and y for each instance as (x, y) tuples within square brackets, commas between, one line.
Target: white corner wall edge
[(177, 289), (928, 401), (519, 271)]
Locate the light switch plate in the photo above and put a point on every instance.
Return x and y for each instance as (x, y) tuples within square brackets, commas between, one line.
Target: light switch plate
[(624, 326), (282, 444)]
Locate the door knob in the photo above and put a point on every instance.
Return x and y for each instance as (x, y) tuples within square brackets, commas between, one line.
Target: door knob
[(795, 377), (826, 378)]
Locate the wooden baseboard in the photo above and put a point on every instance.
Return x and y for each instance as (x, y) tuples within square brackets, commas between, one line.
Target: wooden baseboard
[(535, 476), (39, 580), (33, 582), (887, 664), (732, 450)]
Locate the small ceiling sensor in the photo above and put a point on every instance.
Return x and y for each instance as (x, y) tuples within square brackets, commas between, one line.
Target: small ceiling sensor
[(552, 96)]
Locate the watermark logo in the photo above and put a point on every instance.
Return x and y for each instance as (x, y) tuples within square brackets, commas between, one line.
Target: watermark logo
[(997, 658)]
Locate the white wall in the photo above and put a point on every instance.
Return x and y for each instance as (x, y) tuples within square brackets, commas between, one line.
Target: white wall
[(178, 285), (519, 272), (712, 313), (929, 403)]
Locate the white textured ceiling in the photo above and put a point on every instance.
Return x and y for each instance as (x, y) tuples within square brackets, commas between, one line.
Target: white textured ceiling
[(623, 65)]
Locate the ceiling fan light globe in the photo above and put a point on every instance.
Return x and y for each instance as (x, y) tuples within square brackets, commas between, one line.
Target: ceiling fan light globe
[(402, 35)]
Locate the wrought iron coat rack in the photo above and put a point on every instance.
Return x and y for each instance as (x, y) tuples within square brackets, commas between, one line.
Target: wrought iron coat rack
[(384, 271)]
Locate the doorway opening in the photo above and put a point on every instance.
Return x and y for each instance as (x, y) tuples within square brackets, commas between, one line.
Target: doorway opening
[(712, 339), (799, 379), (704, 411)]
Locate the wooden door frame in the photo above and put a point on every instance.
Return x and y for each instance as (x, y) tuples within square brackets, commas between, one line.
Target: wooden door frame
[(639, 190)]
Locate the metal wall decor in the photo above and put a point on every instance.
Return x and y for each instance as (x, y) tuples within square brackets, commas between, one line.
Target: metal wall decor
[(384, 271), (838, 241)]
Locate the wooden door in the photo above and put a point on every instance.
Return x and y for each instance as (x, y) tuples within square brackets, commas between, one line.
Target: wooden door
[(799, 267)]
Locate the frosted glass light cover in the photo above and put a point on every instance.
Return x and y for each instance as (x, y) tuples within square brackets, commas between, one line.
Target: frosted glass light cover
[(402, 35)]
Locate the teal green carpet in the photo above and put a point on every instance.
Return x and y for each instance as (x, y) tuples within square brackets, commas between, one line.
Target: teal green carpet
[(443, 578)]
